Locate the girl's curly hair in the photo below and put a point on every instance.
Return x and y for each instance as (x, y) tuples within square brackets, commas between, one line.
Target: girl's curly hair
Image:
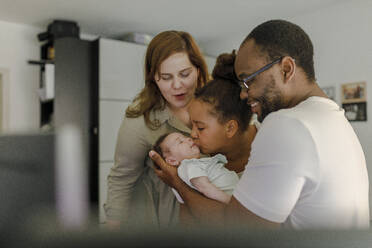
[(223, 93)]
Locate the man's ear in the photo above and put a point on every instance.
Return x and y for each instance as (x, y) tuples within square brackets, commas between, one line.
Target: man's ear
[(172, 161), (288, 68), (231, 127)]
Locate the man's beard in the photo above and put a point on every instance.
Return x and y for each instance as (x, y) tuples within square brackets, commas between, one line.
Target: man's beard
[(270, 100)]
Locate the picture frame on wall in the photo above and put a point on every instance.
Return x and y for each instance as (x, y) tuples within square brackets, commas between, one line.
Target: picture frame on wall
[(355, 111), (353, 92)]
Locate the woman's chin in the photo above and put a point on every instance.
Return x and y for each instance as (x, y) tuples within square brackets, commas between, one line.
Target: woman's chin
[(183, 102)]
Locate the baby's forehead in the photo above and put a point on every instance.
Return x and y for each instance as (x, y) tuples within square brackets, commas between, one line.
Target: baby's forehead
[(170, 141), (174, 136)]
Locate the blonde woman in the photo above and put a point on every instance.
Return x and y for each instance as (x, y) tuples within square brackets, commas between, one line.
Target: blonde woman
[(174, 69)]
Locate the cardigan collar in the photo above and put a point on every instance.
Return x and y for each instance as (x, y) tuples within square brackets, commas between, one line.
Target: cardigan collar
[(166, 116)]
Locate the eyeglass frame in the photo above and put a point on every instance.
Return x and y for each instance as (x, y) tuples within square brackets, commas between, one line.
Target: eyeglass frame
[(244, 82)]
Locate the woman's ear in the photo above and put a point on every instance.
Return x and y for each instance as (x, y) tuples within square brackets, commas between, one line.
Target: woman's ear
[(172, 161), (231, 127), (288, 68)]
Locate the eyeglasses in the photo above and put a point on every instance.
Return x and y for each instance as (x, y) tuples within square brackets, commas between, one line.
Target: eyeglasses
[(244, 83)]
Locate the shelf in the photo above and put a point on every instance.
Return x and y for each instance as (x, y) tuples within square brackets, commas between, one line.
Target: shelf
[(41, 62)]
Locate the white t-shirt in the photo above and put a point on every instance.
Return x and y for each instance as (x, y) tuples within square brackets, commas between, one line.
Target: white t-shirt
[(211, 167), (254, 121), (307, 169)]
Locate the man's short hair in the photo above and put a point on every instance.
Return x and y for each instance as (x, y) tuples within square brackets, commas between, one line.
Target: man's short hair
[(277, 38)]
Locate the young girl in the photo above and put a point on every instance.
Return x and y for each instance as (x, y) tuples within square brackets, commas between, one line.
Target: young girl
[(222, 123)]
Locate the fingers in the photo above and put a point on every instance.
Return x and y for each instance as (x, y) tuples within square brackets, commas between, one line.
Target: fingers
[(160, 174), (158, 171), (157, 159), (167, 173)]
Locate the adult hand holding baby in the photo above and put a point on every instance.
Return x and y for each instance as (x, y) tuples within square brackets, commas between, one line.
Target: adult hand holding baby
[(165, 171)]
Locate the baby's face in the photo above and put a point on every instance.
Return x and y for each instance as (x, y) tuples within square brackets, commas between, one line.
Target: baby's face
[(180, 147)]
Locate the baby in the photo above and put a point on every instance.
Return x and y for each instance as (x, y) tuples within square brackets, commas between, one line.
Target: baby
[(207, 175)]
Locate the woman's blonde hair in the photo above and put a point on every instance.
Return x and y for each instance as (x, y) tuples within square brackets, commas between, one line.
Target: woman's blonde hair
[(160, 48)]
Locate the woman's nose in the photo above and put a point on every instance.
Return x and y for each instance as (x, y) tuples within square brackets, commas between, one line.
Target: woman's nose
[(177, 83)]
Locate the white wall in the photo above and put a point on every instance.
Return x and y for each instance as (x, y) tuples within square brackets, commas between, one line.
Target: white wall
[(342, 38), (18, 44)]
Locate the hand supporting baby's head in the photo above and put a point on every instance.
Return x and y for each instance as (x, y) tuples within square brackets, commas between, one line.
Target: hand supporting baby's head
[(175, 147)]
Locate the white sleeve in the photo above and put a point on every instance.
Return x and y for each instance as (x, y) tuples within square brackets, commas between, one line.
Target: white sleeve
[(254, 121), (283, 158)]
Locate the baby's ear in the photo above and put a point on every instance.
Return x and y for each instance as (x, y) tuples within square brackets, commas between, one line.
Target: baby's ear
[(172, 161)]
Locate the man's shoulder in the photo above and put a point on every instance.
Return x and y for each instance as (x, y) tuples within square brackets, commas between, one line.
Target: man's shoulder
[(304, 114), (285, 119), (312, 107), (281, 130)]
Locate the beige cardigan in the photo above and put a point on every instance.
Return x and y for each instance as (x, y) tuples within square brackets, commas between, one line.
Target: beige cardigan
[(136, 196)]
